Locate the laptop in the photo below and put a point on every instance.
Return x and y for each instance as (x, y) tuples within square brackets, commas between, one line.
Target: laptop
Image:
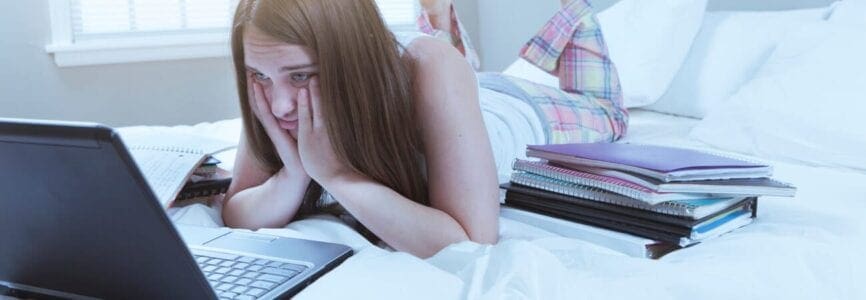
[(78, 220)]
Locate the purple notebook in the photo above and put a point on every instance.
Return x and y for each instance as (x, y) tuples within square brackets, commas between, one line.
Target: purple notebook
[(663, 163)]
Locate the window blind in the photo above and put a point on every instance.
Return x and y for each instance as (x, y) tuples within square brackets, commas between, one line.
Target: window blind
[(399, 14), (107, 19)]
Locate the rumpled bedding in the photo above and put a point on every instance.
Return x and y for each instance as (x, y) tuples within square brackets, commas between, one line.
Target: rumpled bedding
[(807, 247)]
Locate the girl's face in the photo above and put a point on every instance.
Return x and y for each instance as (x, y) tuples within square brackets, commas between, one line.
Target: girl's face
[(281, 70)]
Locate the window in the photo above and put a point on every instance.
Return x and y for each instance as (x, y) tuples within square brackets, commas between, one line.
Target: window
[(399, 14), (88, 32)]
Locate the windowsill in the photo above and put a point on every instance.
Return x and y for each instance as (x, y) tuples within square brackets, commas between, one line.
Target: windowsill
[(145, 49), (102, 52)]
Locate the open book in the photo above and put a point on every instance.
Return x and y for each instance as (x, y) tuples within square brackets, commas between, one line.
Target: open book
[(168, 160)]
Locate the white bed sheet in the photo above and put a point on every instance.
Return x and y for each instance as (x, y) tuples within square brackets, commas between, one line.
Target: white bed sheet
[(808, 247)]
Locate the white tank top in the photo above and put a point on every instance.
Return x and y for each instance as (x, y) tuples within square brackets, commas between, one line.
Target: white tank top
[(407, 37)]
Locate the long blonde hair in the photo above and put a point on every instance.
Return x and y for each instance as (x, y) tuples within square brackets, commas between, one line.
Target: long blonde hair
[(366, 87)]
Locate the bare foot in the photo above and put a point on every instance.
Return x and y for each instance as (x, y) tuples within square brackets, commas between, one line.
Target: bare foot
[(437, 7), (439, 13)]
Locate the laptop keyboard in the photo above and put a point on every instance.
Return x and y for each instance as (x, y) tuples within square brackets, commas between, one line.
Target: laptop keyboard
[(243, 277)]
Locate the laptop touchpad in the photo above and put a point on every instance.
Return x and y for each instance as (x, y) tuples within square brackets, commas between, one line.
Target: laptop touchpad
[(195, 235), (246, 238)]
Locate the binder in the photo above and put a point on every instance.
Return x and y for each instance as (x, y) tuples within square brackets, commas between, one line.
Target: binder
[(647, 224), (628, 244)]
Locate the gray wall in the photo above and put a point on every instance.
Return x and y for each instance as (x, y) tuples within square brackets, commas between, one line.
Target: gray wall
[(167, 93), (507, 24), (192, 91), (468, 11)]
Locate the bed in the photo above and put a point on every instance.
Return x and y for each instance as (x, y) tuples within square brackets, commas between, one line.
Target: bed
[(807, 247)]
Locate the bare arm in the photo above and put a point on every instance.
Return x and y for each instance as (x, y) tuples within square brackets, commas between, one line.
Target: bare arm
[(257, 199), (461, 170)]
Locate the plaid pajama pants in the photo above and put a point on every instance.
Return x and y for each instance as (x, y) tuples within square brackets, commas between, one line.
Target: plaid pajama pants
[(587, 107)]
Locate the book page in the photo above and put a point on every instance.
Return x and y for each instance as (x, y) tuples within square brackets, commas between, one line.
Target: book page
[(168, 158), (174, 141), (166, 172)]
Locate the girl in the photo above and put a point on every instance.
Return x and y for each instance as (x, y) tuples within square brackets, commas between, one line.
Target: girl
[(341, 116)]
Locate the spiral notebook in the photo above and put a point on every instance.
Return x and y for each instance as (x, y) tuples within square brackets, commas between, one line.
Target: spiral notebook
[(168, 160), (574, 179), (694, 208), (654, 191), (663, 163)]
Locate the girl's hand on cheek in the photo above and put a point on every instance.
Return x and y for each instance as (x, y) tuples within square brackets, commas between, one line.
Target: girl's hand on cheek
[(314, 143), (285, 144)]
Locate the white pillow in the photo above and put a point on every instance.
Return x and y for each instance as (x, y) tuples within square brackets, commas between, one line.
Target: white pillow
[(647, 40), (729, 49), (849, 11), (807, 104), (525, 70)]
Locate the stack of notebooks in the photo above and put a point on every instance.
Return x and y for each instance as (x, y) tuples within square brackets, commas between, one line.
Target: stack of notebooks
[(669, 197)]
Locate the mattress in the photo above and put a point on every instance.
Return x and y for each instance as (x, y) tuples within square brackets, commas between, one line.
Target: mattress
[(807, 247)]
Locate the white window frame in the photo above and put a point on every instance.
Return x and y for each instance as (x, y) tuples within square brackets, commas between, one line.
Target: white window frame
[(68, 53), (136, 49)]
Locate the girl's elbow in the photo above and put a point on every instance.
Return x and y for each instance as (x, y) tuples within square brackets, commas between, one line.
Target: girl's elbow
[(487, 235), (487, 238), (229, 219), (233, 219)]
